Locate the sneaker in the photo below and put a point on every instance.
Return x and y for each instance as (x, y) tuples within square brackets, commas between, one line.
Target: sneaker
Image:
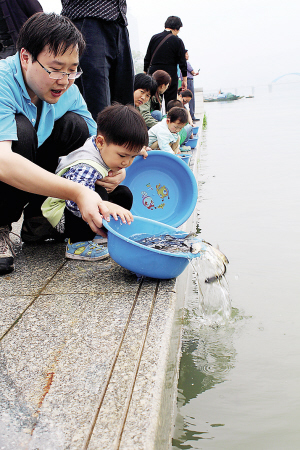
[(195, 120), (98, 239), (185, 148), (6, 251), (86, 251), (37, 229)]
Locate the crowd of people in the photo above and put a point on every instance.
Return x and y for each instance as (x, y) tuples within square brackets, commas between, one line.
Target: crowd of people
[(62, 160)]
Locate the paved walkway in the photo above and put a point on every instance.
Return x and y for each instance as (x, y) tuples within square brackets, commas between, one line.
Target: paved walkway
[(89, 354)]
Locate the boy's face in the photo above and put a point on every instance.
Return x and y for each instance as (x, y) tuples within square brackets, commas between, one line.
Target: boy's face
[(115, 157), (37, 80), (141, 96), (176, 126)]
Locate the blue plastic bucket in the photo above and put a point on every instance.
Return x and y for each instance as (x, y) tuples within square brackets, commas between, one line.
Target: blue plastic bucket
[(185, 158), (192, 142), (139, 258), (195, 130)]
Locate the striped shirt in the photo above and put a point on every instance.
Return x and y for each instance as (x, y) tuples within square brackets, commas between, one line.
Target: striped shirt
[(82, 174), (110, 10)]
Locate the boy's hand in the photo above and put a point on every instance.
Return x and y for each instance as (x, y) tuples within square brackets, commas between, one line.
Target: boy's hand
[(144, 151), (112, 180), (116, 210)]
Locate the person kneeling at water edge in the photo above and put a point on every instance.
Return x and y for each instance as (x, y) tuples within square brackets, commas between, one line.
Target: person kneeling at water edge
[(164, 135), (42, 117), (121, 134)]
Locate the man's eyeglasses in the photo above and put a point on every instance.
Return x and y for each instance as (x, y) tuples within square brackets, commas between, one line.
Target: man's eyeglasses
[(59, 75)]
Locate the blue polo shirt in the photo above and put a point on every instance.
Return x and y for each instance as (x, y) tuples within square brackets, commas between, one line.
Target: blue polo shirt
[(14, 99)]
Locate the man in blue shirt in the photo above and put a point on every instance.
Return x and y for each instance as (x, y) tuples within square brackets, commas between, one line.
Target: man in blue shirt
[(37, 126)]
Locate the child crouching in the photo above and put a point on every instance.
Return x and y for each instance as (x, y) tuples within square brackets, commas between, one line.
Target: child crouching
[(164, 135), (121, 134)]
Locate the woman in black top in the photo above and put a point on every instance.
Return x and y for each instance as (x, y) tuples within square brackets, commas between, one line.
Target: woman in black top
[(165, 51)]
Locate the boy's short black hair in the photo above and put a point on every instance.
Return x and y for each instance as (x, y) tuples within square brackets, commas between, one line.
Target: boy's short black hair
[(173, 103), (173, 22), (143, 81), (178, 113), (123, 125), (54, 30), (186, 93)]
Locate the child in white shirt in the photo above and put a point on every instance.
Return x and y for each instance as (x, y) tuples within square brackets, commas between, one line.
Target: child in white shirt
[(164, 135)]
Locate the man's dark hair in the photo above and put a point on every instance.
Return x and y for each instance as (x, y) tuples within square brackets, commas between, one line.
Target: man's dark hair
[(178, 113), (173, 103), (186, 93), (173, 22), (58, 32), (123, 125)]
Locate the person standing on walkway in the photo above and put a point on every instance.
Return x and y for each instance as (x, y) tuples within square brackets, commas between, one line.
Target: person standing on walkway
[(190, 85), (107, 63), (165, 51), (13, 13)]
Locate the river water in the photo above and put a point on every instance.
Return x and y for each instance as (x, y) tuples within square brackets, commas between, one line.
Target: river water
[(239, 383)]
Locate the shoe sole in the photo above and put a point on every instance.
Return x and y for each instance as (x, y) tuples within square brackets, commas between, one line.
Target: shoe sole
[(85, 258)]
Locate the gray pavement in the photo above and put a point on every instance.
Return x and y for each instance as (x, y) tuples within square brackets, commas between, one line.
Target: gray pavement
[(88, 354)]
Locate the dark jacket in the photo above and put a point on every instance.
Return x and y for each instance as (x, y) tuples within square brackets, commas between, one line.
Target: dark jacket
[(16, 12), (151, 105), (170, 53)]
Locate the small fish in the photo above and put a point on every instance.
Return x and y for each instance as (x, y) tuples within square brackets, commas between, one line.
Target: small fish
[(218, 253), (161, 206), (216, 277)]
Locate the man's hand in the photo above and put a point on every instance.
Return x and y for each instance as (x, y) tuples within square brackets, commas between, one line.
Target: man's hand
[(112, 180), (116, 210), (92, 209), (184, 83)]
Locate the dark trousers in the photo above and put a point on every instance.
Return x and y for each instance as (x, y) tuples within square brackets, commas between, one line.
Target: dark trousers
[(190, 86), (171, 92), (106, 63), (69, 132), (78, 230)]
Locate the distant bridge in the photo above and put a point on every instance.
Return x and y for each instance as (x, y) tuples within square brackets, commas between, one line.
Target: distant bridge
[(281, 76)]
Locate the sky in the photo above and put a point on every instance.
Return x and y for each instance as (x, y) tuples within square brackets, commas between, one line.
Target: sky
[(234, 43)]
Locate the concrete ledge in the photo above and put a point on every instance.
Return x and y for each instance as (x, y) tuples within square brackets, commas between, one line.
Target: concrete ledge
[(89, 355)]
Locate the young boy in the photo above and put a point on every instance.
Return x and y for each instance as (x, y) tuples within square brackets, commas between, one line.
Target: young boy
[(144, 88), (164, 135), (187, 131), (121, 134)]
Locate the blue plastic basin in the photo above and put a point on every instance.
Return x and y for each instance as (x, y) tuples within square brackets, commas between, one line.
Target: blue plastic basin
[(138, 258), (185, 158), (164, 188), (192, 142)]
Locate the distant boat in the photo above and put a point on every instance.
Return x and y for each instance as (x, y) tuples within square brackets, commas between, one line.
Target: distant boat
[(223, 98)]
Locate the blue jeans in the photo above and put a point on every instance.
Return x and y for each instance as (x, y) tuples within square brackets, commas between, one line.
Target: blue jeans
[(189, 130), (106, 63), (190, 86)]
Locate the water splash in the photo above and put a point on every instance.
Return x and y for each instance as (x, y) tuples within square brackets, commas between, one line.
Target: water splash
[(214, 298)]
